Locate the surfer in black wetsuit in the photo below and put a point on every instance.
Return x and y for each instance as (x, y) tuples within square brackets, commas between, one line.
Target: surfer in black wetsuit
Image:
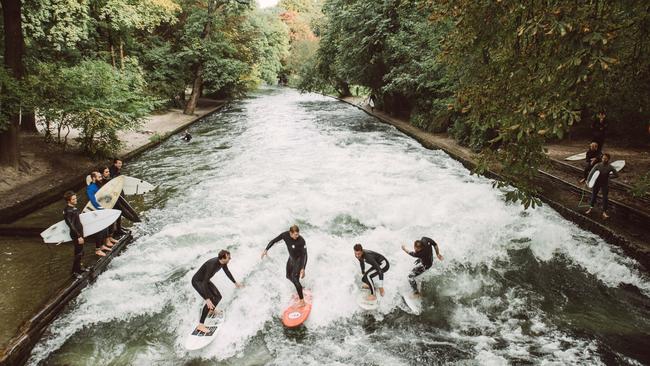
[(297, 257), (71, 218), (602, 183), (187, 137), (423, 251), (378, 266), (208, 291)]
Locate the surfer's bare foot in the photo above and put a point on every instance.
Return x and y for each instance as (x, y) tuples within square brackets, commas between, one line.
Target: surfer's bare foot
[(301, 303), (202, 328), (365, 286), (113, 241), (215, 311), (100, 253), (416, 295), (588, 212), (605, 216), (371, 298), (104, 247)]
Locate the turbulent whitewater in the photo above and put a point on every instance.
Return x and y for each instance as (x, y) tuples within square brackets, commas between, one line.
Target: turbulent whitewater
[(515, 286)]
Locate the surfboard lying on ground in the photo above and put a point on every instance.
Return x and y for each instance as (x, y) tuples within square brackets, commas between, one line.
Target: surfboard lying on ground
[(618, 165), (92, 223), (295, 315), (108, 194), (136, 186), (364, 303), (197, 340), (581, 156)]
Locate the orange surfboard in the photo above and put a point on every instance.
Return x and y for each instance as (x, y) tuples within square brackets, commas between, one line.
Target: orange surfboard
[(294, 315)]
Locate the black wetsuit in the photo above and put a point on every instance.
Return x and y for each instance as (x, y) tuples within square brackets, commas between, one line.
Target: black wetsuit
[(187, 137), (602, 183), (297, 258), (202, 284), (114, 171), (375, 261), (424, 260), (71, 217), (591, 154)]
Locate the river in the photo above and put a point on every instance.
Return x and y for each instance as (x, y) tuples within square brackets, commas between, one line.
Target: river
[(515, 286)]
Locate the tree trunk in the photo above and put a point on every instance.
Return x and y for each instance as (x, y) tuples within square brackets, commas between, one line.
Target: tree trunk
[(197, 85), (197, 68), (13, 57), (28, 122), (121, 55)]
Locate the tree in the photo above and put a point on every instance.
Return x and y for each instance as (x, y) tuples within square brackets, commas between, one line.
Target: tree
[(13, 61)]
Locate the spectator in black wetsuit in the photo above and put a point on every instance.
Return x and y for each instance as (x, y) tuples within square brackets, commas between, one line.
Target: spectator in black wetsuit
[(116, 168), (116, 228), (297, 261), (602, 183), (599, 129), (593, 156), (423, 251), (208, 291), (378, 266), (71, 217)]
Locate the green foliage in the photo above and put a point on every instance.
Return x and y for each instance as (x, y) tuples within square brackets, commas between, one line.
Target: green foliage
[(11, 94), (93, 98), (642, 187)]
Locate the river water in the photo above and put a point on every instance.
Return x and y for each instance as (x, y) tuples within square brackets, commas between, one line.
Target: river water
[(515, 286)]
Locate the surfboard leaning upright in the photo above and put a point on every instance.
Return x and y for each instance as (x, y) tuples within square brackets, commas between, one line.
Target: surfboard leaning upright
[(107, 195)]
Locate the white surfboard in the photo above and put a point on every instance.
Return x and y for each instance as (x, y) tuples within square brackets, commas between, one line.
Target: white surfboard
[(136, 186), (618, 165), (581, 156), (108, 194), (92, 223), (414, 303), (364, 303), (197, 340), (592, 179)]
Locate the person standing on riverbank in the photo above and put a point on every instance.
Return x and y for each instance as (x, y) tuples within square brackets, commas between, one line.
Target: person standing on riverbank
[(71, 218), (602, 184), (297, 261), (116, 168), (208, 291), (101, 236), (378, 266), (593, 156), (423, 251)]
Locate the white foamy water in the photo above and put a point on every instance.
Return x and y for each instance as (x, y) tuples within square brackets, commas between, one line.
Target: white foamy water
[(503, 294)]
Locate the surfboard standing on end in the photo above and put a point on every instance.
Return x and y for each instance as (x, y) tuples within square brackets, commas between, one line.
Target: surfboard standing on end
[(107, 195), (295, 314), (92, 222)]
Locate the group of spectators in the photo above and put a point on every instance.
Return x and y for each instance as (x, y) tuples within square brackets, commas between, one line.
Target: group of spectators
[(105, 239)]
